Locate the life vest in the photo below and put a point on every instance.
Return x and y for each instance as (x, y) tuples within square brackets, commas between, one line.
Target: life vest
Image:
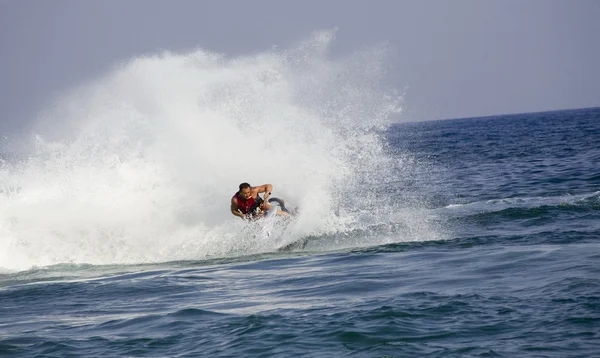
[(246, 206)]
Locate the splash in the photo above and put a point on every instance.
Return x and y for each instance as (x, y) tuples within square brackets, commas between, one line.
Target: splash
[(139, 166)]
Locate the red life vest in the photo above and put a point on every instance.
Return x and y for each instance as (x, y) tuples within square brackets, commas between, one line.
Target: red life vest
[(245, 206)]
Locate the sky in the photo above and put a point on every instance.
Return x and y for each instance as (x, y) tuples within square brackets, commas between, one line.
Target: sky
[(453, 59)]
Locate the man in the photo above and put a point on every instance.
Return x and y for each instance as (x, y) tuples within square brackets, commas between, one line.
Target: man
[(247, 204)]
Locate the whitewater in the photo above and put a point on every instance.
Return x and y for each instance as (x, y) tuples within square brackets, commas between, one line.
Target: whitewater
[(139, 165)]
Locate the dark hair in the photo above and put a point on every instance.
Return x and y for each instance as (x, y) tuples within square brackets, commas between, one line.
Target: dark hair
[(244, 186)]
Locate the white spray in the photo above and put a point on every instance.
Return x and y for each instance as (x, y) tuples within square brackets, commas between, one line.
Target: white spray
[(140, 165)]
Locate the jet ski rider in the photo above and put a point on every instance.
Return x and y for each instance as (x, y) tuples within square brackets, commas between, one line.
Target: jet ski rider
[(247, 204)]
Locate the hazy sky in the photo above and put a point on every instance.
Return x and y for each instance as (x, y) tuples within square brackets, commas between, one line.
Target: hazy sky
[(457, 58)]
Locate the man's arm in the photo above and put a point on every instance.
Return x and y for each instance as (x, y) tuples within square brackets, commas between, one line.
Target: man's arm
[(265, 188), (234, 209)]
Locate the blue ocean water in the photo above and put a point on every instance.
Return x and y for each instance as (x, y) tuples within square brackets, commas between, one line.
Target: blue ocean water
[(513, 269)]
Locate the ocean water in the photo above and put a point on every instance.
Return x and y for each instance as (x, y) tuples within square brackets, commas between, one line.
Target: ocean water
[(467, 237)]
